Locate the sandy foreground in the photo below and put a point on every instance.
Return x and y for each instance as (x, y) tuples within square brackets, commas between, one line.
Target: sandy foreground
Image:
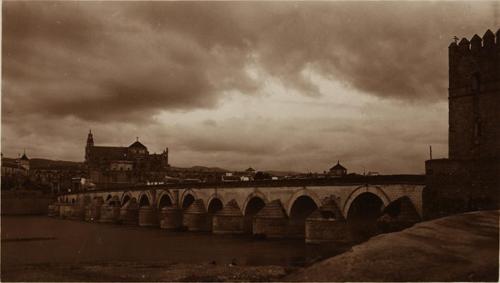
[(456, 248)]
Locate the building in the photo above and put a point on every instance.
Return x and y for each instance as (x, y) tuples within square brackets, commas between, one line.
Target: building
[(250, 171), (24, 162), (41, 174), (112, 165), (15, 167), (469, 178), (57, 176), (337, 170), (203, 174)]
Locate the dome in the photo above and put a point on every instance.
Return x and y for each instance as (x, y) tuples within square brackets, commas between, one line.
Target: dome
[(137, 144)]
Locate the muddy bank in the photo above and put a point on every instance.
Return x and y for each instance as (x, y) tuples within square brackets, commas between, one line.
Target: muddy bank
[(144, 272), (456, 248)]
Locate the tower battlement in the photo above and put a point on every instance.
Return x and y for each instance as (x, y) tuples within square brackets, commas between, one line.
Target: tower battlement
[(468, 180), (474, 97), (474, 62)]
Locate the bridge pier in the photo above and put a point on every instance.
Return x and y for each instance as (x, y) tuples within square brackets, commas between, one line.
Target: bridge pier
[(110, 211), (196, 218), (65, 210), (148, 216), (228, 220), (54, 209), (171, 218), (327, 224), (271, 221), (78, 210), (129, 212), (93, 212)]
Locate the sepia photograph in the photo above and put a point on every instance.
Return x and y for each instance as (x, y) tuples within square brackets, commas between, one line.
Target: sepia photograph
[(250, 141)]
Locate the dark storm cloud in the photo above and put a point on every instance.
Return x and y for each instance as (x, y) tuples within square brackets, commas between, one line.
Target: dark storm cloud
[(112, 66), (87, 60), (112, 61), (384, 48)]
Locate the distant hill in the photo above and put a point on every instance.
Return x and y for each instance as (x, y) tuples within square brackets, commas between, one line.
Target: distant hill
[(40, 163)]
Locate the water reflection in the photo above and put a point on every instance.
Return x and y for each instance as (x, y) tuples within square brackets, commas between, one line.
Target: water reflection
[(91, 242)]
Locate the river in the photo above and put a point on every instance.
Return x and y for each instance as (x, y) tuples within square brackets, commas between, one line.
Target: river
[(40, 239)]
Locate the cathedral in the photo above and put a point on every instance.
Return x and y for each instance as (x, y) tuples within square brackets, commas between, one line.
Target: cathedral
[(112, 165)]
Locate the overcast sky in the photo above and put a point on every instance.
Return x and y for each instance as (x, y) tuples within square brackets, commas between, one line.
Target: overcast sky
[(283, 86)]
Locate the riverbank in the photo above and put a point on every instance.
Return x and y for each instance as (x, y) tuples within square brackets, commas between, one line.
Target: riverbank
[(456, 248), (144, 272)]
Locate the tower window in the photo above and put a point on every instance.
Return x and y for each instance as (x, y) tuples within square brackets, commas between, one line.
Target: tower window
[(476, 83), (477, 132), (477, 129)]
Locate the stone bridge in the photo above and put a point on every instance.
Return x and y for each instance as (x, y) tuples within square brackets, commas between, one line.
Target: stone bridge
[(298, 199), (215, 198)]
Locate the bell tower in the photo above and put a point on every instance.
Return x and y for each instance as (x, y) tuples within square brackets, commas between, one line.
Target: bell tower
[(90, 144)]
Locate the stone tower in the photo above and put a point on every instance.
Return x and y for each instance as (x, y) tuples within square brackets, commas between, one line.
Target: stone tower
[(469, 179), (90, 144), (24, 161), (474, 98)]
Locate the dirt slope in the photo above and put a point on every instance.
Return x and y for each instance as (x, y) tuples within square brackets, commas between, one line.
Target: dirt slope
[(456, 248)]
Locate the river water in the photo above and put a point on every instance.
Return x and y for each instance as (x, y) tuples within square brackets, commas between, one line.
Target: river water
[(40, 239)]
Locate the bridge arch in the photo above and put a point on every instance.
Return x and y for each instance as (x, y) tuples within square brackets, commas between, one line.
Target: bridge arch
[(252, 205), (377, 191), (300, 207), (300, 194), (125, 198), (144, 199), (214, 204), (256, 199), (404, 209), (165, 199), (187, 198), (114, 200)]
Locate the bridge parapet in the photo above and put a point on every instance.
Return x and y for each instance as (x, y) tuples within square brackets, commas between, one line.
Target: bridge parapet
[(342, 181)]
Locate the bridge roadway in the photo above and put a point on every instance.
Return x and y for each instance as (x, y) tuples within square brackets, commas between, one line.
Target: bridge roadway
[(297, 196)]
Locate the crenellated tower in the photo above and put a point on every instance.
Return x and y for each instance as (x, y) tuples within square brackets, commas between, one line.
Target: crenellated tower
[(469, 179), (474, 97)]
